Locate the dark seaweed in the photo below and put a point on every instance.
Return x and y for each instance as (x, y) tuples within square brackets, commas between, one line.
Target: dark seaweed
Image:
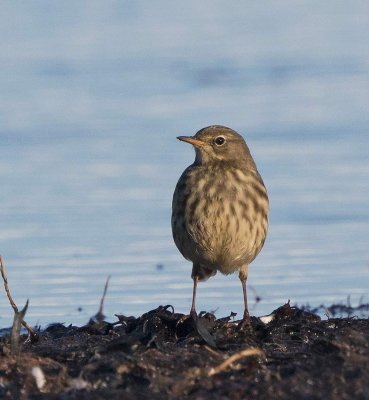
[(166, 355)]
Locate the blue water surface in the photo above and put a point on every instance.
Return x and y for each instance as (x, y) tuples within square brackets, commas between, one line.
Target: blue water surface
[(92, 97)]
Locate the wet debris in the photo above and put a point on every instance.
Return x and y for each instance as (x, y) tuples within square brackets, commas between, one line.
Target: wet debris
[(167, 355)]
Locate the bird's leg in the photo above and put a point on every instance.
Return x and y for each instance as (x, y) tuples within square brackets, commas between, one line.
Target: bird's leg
[(243, 277), (193, 314), (193, 307)]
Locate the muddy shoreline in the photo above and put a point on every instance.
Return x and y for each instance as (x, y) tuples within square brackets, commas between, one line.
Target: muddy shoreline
[(165, 355)]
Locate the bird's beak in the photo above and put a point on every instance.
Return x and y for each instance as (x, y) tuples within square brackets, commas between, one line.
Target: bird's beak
[(191, 140)]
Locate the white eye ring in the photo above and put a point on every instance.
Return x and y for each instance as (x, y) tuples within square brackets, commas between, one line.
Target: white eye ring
[(219, 141)]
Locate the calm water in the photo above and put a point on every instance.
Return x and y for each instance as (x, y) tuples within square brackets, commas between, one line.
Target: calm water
[(92, 97)]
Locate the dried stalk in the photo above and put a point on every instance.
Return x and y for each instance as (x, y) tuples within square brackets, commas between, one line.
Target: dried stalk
[(252, 351), (17, 323)]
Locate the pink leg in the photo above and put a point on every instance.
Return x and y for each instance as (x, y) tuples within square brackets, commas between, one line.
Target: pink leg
[(193, 307), (243, 278)]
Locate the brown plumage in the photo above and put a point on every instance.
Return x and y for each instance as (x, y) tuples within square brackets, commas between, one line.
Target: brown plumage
[(220, 207)]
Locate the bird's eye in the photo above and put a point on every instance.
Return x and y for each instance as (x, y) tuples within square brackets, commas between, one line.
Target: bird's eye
[(219, 140)]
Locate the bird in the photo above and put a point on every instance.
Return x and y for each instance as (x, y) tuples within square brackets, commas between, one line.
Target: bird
[(220, 208)]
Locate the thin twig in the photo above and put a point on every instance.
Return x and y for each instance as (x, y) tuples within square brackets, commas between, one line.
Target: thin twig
[(252, 351), (5, 279), (100, 314), (31, 332)]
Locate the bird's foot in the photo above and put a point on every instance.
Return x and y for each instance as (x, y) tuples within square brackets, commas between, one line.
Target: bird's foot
[(245, 322), (193, 314)]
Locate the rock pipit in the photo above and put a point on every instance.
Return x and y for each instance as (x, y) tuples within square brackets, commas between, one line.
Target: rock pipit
[(220, 208)]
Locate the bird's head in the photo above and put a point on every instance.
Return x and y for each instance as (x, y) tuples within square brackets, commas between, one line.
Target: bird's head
[(219, 143)]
